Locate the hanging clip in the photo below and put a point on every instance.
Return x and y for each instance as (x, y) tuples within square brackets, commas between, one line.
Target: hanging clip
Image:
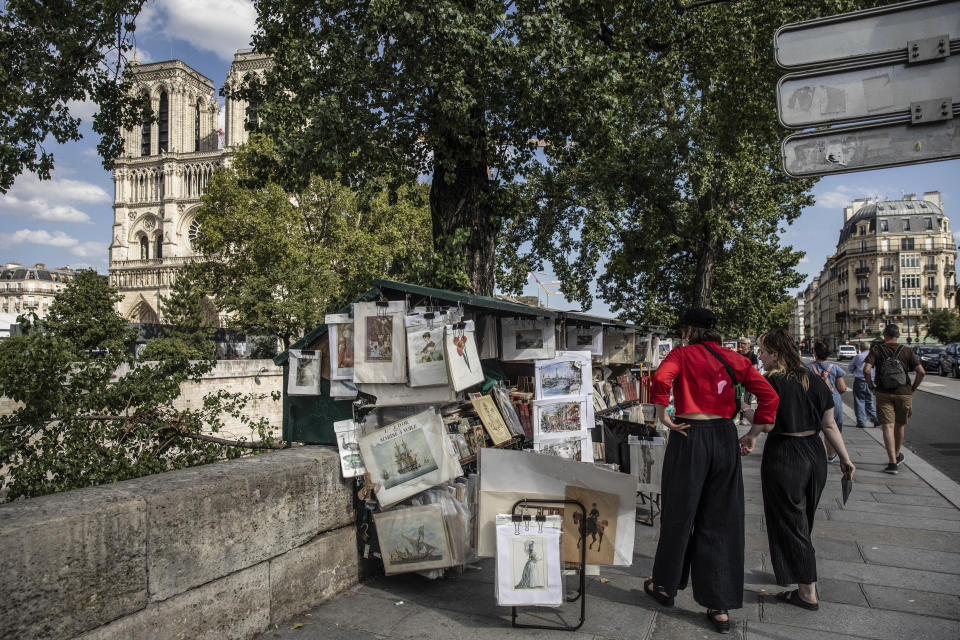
[(517, 518), (541, 519)]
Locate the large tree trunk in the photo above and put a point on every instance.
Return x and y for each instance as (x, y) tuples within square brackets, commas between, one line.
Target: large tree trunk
[(462, 203), (706, 262)]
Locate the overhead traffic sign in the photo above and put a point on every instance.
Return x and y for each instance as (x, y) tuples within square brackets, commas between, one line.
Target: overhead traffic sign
[(859, 92), (871, 33), (872, 146)]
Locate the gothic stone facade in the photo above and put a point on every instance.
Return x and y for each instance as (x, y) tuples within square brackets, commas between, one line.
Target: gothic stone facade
[(165, 168)]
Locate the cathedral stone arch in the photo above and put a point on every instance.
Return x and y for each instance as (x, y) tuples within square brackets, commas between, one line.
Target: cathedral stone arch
[(143, 312)]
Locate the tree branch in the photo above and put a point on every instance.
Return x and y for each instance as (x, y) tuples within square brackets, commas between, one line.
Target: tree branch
[(231, 443)]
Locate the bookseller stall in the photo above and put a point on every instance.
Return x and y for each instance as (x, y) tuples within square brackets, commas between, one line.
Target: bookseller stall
[(480, 427)]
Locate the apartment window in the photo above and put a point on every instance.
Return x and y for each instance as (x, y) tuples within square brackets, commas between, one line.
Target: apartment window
[(906, 244), (928, 242), (931, 262), (885, 244), (910, 281), (886, 307), (928, 224), (931, 303), (863, 264), (910, 302), (862, 283), (906, 224), (931, 282), (863, 304), (910, 260), (884, 225), (863, 229), (863, 245), (888, 284)]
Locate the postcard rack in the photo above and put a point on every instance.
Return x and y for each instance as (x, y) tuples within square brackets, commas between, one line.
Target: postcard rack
[(519, 516)]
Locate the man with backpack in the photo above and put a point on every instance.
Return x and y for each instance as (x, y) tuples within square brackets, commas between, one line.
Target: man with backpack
[(893, 390)]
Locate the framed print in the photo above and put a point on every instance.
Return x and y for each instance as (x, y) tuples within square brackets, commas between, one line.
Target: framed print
[(527, 339), (558, 419), (407, 457), (463, 359), (413, 539), (585, 339), (351, 464), (569, 374), (379, 342), (340, 332), (601, 525), (618, 345), (528, 564), (303, 376), (491, 419), (427, 364)]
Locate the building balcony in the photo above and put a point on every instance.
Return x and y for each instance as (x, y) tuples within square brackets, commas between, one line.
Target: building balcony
[(863, 313), (887, 268), (151, 262), (929, 268), (935, 290), (863, 291), (861, 271)]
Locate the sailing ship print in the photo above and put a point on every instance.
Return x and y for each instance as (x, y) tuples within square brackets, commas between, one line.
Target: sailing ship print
[(404, 458), (414, 550)]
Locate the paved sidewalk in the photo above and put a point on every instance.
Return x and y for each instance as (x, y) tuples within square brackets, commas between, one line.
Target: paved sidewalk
[(889, 565)]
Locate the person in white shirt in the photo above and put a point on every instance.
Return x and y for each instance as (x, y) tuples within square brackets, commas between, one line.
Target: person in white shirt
[(863, 405)]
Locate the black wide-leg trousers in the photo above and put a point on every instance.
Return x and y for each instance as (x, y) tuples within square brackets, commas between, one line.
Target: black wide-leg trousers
[(701, 518), (793, 473)]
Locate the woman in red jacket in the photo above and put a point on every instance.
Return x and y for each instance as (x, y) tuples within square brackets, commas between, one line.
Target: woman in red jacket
[(701, 521)]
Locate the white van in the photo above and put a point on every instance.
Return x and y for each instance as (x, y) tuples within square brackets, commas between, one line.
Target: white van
[(846, 352)]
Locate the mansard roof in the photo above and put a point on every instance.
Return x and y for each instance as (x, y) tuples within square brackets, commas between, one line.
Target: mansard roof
[(895, 212)]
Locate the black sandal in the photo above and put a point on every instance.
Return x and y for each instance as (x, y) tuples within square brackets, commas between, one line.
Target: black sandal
[(722, 626), (651, 590), (793, 597)]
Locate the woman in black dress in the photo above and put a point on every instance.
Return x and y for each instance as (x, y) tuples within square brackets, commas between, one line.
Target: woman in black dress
[(794, 466)]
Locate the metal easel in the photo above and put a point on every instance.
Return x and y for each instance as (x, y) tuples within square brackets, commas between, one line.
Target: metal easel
[(581, 595)]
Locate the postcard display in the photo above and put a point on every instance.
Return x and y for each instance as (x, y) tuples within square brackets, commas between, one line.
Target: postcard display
[(563, 406)]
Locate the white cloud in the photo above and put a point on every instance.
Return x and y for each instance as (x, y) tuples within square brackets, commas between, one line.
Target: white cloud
[(57, 239), (52, 200), (842, 196), (219, 26), (85, 109), (804, 260)]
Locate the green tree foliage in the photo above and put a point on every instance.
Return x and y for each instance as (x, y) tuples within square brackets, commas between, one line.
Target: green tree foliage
[(674, 187), (188, 331), (459, 91), (87, 415), (54, 52), (276, 261), (944, 325)]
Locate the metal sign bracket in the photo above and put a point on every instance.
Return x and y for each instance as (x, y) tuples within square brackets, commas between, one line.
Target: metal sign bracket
[(928, 49), (935, 110)]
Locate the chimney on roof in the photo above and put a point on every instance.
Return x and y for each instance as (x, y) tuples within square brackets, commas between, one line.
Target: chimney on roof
[(933, 196), (910, 196)]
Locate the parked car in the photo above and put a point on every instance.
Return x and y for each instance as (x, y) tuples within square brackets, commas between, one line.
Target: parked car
[(846, 352), (950, 360), (929, 355)]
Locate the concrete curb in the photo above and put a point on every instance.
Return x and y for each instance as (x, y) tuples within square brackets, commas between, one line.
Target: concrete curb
[(937, 480)]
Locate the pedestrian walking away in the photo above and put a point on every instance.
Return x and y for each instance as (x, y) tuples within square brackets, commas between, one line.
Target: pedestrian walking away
[(744, 349), (893, 390), (832, 376), (863, 405), (701, 530), (793, 470)]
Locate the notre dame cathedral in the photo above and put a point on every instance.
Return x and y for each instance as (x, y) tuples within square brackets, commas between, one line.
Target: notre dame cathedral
[(162, 174)]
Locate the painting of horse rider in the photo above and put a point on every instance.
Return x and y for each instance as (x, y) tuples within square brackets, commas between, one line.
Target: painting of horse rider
[(600, 526)]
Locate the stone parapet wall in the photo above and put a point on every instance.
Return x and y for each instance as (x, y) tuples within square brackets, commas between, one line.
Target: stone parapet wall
[(223, 550)]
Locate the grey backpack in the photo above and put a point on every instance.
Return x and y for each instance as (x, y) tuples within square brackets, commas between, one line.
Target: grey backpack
[(891, 374)]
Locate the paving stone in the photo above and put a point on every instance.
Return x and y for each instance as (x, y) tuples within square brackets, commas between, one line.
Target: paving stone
[(872, 533), (912, 522), (896, 498), (860, 621), (909, 511), (680, 625), (912, 490), (833, 549), (841, 591), (311, 630), (435, 623), (890, 576), (360, 611), (911, 557), (912, 601), (764, 631), (891, 481)]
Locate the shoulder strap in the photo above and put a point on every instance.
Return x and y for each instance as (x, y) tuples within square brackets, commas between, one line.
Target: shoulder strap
[(726, 365)]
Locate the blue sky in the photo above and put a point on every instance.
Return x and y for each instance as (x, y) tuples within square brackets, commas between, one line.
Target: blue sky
[(67, 221)]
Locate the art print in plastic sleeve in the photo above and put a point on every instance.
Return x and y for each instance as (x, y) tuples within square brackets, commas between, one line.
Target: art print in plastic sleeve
[(501, 395), (601, 525), (407, 457), (396, 395), (618, 346), (303, 375), (379, 342), (463, 360), (646, 463), (343, 389), (425, 351), (528, 563), (492, 420), (350, 461), (413, 539), (559, 419), (340, 332), (586, 339), (577, 448), (569, 374), (528, 339)]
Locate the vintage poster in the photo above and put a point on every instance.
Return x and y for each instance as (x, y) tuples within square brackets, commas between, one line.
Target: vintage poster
[(413, 539), (559, 419), (503, 472), (528, 339), (501, 395), (528, 563), (492, 420), (601, 525), (425, 350), (585, 339), (569, 374), (569, 448), (407, 457), (618, 346), (340, 333), (463, 360), (379, 342), (350, 462), (646, 463), (303, 373)]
